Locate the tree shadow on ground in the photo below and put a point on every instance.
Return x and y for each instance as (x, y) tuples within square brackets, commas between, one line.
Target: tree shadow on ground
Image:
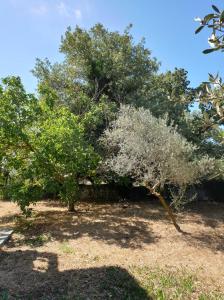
[(214, 242), (127, 228), (35, 275), (211, 213), (211, 216)]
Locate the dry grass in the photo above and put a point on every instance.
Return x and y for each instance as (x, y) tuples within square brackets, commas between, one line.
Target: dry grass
[(106, 251)]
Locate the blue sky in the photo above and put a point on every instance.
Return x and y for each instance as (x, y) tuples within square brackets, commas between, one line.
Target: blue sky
[(33, 28)]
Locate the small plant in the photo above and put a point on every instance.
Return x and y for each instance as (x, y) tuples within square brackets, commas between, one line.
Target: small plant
[(4, 295), (66, 248), (39, 240)]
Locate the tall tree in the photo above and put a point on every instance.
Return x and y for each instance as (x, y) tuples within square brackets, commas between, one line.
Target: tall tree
[(99, 62)]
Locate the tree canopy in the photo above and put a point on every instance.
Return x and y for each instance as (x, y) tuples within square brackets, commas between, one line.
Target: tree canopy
[(50, 141), (44, 147), (152, 153)]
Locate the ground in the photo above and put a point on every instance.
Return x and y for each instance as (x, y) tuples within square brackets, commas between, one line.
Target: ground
[(112, 251)]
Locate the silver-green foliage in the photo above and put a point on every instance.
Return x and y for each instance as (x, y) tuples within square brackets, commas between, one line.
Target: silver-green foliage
[(153, 153)]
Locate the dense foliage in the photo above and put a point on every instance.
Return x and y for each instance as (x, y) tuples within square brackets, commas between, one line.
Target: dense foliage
[(44, 149), (50, 142), (211, 93)]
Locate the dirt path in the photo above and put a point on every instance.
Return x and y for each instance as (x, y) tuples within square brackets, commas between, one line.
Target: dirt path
[(101, 235)]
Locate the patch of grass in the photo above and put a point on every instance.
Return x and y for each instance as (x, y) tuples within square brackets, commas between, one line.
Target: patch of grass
[(211, 296), (39, 240), (66, 248), (168, 284)]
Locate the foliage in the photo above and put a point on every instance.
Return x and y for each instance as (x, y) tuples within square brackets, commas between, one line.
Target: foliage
[(98, 63), (152, 152), (42, 153), (104, 69), (170, 94), (211, 93), (109, 62), (215, 22)]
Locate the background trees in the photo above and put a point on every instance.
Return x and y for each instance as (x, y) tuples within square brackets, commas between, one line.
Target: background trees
[(104, 69)]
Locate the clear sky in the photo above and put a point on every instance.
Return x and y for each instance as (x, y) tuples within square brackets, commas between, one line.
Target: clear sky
[(33, 28)]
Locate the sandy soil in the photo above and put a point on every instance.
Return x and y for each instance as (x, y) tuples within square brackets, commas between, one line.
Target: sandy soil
[(103, 235)]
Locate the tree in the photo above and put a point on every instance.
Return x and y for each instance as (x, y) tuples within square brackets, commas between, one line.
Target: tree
[(211, 93), (18, 110), (43, 146), (152, 153), (169, 94), (99, 62), (103, 69), (215, 22)]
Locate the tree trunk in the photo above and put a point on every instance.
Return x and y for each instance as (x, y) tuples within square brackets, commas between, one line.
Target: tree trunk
[(166, 206), (71, 205)]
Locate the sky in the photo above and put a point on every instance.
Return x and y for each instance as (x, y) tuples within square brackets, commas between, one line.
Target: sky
[(31, 29)]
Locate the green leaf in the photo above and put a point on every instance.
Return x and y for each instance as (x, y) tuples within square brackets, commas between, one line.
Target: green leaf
[(199, 29), (222, 17), (206, 51), (208, 18), (215, 8)]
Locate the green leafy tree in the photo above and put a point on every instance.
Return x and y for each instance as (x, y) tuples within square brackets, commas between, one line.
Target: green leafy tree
[(214, 21), (18, 110), (211, 93), (98, 63), (170, 94), (103, 69), (109, 62), (42, 146)]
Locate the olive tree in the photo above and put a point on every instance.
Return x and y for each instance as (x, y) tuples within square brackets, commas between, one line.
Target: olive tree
[(152, 153)]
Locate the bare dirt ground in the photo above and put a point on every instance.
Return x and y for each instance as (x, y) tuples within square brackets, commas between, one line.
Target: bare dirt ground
[(54, 248)]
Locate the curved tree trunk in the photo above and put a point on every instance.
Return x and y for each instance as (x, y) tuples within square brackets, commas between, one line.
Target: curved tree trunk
[(166, 207)]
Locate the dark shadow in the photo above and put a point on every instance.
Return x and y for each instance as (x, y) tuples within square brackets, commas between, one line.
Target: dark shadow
[(35, 275), (210, 215), (8, 219), (206, 240), (125, 227)]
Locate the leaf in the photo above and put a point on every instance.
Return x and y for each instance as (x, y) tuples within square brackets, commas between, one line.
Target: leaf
[(208, 18), (216, 9), (206, 51), (222, 17), (211, 77), (206, 116), (199, 29)]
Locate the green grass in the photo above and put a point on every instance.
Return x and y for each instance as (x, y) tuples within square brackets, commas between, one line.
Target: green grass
[(163, 284), (66, 248), (38, 240)]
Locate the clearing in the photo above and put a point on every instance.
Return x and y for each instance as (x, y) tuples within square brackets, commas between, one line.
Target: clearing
[(110, 251)]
